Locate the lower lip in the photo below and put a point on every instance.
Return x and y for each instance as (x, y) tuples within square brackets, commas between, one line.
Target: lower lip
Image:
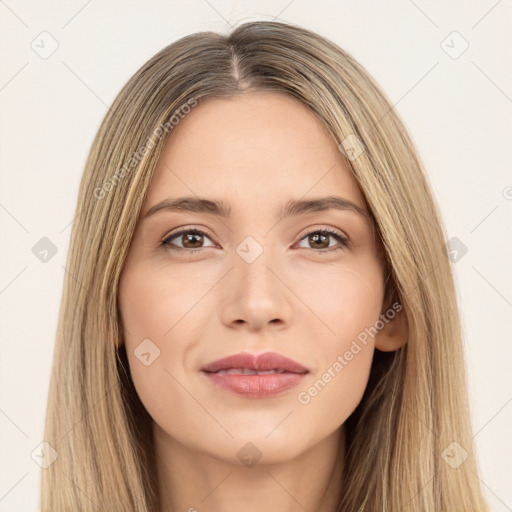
[(256, 386)]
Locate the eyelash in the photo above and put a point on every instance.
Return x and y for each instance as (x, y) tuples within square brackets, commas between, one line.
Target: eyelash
[(166, 242)]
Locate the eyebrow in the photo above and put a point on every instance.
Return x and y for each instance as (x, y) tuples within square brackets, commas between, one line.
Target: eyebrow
[(222, 209)]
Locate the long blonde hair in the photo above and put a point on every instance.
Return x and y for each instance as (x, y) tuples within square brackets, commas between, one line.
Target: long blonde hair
[(399, 438)]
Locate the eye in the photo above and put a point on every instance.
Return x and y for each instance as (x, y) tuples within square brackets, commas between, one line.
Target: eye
[(190, 238), (320, 239)]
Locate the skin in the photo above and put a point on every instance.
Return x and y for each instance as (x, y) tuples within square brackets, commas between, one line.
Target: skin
[(256, 152)]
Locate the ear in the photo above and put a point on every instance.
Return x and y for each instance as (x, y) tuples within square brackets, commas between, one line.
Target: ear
[(395, 332)]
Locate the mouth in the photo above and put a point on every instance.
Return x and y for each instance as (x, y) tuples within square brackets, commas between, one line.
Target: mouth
[(248, 371), (255, 376)]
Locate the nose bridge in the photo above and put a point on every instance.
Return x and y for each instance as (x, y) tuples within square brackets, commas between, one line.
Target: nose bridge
[(253, 261)]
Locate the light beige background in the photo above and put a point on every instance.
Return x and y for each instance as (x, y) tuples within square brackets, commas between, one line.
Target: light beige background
[(456, 105)]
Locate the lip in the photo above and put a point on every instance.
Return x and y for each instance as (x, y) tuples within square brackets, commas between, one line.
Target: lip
[(288, 374)]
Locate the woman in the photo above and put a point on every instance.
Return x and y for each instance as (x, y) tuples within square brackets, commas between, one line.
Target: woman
[(259, 311)]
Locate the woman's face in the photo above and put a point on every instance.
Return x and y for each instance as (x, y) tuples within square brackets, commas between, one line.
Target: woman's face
[(255, 282)]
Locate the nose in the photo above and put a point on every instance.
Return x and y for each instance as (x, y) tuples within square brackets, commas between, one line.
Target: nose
[(257, 297)]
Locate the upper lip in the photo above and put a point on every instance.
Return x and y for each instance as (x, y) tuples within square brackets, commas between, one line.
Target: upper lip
[(258, 362)]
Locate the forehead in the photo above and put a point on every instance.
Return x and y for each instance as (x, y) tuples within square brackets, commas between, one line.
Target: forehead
[(258, 146)]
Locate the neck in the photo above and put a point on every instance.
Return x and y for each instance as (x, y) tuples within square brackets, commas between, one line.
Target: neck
[(191, 481)]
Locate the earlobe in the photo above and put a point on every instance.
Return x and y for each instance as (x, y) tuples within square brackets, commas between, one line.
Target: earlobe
[(394, 334), (390, 347)]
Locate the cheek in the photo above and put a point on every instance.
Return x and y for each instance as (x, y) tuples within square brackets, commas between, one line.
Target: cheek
[(345, 298), (143, 305), (142, 301), (160, 316), (349, 304), (155, 304)]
